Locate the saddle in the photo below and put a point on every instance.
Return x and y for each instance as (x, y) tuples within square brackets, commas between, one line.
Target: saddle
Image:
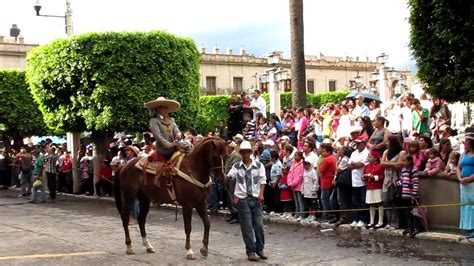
[(160, 169)]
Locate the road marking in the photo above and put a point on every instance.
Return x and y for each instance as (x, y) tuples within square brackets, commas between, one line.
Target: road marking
[(50, 255)]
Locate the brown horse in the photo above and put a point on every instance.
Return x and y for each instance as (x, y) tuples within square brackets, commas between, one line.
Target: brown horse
[(209, 155)]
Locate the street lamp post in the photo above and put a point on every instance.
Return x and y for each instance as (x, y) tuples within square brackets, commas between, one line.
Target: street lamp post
[(273, 76), (73, 138), (382, 60), (67, 16)]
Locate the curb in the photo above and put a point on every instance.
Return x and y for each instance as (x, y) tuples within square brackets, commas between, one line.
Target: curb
[(324, 227)]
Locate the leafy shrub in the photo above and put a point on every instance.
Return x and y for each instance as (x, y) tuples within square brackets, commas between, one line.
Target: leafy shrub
[(100, 81), (19, 113)]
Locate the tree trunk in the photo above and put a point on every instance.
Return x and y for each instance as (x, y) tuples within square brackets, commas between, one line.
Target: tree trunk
[(298, 69), (99, 138)]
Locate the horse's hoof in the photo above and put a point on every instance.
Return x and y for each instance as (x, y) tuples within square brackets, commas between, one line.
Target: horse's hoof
[(150, 250), (190, 256), (130, 251), (204, 252)]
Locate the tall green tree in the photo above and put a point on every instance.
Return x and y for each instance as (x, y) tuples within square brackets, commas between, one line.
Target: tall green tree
[(441, 41), (298, 67), (19, 113), (99, 82)]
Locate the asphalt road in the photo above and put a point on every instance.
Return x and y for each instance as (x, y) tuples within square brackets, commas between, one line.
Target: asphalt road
[(89, 232)]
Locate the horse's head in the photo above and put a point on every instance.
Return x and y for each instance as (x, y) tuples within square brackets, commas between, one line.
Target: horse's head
[(212, 152)]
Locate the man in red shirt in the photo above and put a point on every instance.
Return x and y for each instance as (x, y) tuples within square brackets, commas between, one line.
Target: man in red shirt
[(327, 169)]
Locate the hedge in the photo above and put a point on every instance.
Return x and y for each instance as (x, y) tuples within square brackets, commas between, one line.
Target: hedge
[(100, 81), (19, 113), (214, 108)]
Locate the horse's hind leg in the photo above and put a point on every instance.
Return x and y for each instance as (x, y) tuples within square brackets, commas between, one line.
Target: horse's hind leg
[(201, 210), (144, 209), (187, 217), (125, 215)]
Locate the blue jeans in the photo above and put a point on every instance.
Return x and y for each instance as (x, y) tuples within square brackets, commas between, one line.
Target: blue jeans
[(299, 204), (358, 202), (135, 209), (325, 201), (251, 224)]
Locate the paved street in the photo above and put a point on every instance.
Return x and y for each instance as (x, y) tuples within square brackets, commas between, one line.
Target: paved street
[(77, 231)]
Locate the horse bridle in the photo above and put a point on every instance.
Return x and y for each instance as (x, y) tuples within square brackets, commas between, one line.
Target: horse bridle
[(221, 166)]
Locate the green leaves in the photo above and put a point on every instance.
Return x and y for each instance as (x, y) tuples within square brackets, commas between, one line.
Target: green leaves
[(441, 41), (19, 113), (100, 81)]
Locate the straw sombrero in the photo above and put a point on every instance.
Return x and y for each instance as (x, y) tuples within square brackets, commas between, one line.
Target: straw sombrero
[(172, 105)]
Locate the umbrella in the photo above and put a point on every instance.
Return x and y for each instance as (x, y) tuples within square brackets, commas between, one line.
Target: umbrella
[(366, 95)]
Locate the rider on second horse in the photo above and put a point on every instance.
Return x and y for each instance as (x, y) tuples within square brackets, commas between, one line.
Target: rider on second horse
[(163, 127)]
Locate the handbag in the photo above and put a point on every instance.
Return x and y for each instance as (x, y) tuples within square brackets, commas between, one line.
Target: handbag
[(344, 178), (395, 191), (308, 129)]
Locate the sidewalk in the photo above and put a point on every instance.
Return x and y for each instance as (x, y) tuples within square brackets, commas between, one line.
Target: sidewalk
[(435, 236)]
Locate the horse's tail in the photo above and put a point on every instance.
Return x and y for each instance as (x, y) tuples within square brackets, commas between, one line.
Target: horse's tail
[(118, 190)]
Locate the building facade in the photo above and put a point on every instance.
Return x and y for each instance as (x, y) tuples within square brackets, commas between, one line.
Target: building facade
[(13, 52), (227, 73)]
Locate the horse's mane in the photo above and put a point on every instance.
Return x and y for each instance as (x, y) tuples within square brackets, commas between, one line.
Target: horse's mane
[(200, 145)]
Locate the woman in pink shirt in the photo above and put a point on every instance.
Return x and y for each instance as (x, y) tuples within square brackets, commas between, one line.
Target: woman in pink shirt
[(303, 120), (295, 181)]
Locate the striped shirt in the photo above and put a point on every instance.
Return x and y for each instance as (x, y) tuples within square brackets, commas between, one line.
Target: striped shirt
[(248, 179), (410, 182), (51, 163), (250, 130)]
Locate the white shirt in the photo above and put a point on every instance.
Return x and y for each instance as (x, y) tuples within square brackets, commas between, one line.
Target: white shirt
[(261, 105), (312, 157), (359, 157), (253, 176), (394, 120), (406, 118)]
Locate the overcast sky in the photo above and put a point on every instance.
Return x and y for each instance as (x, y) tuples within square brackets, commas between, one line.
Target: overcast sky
[(336, 27)]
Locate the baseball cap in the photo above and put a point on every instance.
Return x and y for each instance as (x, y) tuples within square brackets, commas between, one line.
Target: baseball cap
[(360, 139), (285, 138), (269, 142)]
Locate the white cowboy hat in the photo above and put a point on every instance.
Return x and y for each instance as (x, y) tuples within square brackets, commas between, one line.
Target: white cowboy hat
[(172, 105), (245, 145), (238, 137)]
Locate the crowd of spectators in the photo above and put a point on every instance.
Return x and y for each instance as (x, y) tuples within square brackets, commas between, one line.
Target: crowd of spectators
[(347, 155), (351, 155)]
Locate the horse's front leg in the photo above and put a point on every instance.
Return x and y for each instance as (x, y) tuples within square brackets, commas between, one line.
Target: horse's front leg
[(187, 216), (144, 209), (201, 210)]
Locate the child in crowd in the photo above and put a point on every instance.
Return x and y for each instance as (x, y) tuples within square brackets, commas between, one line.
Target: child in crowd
[(373, 177), (310, 188), (286, 196), (410, 187), (452, 165), (295, 181), (272, 131), (343, 184), (104, 184), (434, 164), (327, 170), (289, 155), (275, 176)]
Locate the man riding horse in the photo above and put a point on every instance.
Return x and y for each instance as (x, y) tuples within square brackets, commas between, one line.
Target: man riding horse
[(164, 128)]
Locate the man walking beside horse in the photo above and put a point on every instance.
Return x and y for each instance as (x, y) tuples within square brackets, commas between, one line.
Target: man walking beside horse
[(248, 196)]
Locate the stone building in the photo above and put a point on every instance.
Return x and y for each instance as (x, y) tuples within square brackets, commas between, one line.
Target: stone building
[(13, 52), (226, 73)]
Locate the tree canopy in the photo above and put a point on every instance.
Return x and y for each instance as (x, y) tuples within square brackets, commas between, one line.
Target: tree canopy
[(19, 113), (441, 41), (100, 81)]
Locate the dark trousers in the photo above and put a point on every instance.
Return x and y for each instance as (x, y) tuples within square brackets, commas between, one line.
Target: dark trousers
[(87, 185), (344, 199), (412, 221), (251, 224), (61, 182), (272, 199), (51, 185), (358, 202), (103, 186)]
